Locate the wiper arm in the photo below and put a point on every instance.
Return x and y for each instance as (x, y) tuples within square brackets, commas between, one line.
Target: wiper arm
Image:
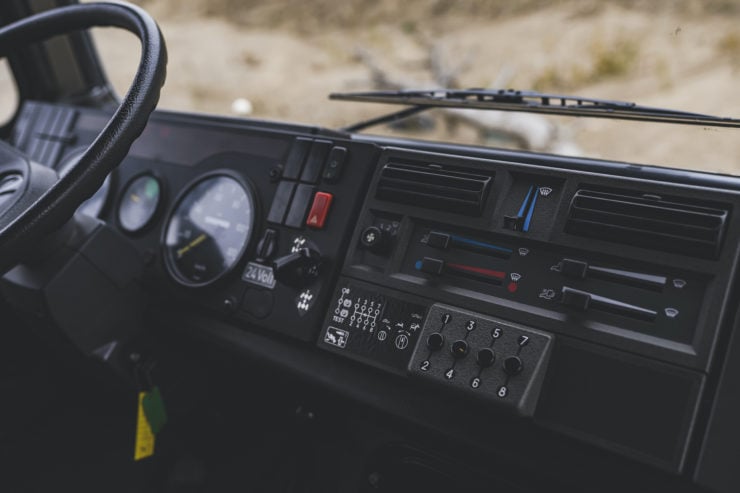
[(526, 101)]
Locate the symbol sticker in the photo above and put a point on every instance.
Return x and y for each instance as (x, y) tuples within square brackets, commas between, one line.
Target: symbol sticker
[(679, 283), (259, 275), (545, 191), (382, 335), (515, 276), (524, 252), (336, 337), (671, 312), (298, 243), (547, 294), (402, 341), (304, 301)]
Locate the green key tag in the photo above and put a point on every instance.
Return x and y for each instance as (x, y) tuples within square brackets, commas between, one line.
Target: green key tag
[(154, 410)]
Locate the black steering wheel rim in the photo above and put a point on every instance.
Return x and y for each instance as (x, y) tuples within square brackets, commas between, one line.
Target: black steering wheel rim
[(20, 230)]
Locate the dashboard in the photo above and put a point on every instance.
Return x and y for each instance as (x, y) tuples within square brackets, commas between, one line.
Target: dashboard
[(541, 297)]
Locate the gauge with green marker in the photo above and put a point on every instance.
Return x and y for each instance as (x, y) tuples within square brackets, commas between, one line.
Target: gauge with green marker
[(139, 203)]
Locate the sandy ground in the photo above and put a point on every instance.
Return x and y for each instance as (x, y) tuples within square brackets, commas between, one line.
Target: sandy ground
[(286, 56)]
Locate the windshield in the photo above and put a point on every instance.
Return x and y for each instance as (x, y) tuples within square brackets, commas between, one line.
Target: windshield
[(280, 59)]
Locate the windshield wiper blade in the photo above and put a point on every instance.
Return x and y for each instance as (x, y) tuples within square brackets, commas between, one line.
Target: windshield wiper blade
[(531, 102)]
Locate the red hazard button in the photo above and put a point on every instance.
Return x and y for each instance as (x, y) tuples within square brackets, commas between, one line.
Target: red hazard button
[(319, 210)]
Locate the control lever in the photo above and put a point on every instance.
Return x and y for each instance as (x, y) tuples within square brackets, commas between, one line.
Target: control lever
[(579, 269), (297, 268)]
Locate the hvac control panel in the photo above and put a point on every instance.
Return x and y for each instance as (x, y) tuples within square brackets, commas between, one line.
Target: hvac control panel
[(470, 276)]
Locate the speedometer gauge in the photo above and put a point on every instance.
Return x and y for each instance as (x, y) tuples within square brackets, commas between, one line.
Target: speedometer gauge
[(209, 229)]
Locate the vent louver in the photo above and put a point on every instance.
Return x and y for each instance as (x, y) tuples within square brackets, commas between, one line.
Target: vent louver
[(669, 224), (434, 187)]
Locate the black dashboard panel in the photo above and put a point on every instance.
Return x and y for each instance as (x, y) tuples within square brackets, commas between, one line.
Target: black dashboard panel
[(583, 299)]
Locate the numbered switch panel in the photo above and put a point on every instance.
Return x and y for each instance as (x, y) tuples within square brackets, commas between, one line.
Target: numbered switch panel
[(480, 355), (377, 327)]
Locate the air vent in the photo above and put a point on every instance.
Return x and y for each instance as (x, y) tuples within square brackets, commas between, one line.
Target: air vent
[(434, 187), (669, 224)]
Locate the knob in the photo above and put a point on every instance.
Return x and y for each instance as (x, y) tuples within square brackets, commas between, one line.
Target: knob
[(486, 356), (513, 365), (374, 239), (459, 348), (297, 268), (435, 341), (267, 245)]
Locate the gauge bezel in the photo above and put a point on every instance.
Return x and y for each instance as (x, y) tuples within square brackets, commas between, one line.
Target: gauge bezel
[(171, 269), (112, 176), (157, 211)]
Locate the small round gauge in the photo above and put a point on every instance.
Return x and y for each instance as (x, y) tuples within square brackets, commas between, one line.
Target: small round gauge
[(94, 205), (209, 229), (139, 203)]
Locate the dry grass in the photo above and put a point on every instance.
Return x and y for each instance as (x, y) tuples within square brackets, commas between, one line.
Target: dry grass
[(607, 61)]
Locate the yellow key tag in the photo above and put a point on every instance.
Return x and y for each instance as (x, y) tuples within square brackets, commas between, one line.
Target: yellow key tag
[(144, 446)]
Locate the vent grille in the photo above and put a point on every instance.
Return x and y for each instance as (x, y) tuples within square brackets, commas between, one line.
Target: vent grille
[(433, 187), (668, 224)]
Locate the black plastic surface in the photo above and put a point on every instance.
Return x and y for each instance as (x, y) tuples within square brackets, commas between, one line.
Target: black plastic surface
[(623, 402), (620, 391)]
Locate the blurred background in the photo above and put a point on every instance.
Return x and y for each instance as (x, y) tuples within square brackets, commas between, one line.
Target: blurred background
[(280, 59)]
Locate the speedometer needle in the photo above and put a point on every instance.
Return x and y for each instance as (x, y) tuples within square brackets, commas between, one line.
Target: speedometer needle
[(197, 241)]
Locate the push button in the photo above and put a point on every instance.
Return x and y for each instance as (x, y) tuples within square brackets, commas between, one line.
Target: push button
[(296, 158), (459, 348), (280, 202), (335, 164), (315, 161), (298, 206), (486, 357), (319, 210), (513, 365), (435, 341)]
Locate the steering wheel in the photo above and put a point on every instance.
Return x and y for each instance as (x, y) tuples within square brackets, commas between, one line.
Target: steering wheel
[(34, 202)]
